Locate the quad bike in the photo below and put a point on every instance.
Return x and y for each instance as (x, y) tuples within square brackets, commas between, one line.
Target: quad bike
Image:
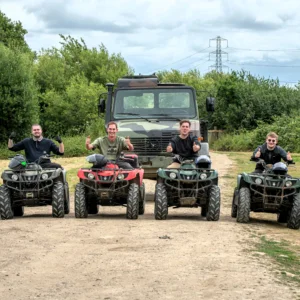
[(108, 184), (28, 184), (194, 184), (272, 191)]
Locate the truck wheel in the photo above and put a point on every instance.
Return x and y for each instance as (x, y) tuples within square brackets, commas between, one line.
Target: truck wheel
[(234, 206), (18, 211), (294, 219), (243, 209), (133, 202), (214, 203), (142, 202), (161, 202), (67, 199), (58, 207), (6, 211), (80, 201)]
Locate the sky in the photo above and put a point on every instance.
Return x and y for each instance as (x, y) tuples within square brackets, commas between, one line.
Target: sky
[(261, 37)]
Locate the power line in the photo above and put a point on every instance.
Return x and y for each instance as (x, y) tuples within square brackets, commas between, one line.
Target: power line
[(263, 50), (260, 65)]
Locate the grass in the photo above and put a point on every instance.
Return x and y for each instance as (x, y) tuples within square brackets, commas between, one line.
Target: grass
[(285, 258)]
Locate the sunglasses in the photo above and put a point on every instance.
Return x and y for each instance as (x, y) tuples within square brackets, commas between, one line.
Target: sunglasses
[(271, 140)]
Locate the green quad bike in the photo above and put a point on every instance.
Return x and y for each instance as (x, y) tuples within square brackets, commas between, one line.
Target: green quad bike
[(273, 191), (194, 184), (28, 184)]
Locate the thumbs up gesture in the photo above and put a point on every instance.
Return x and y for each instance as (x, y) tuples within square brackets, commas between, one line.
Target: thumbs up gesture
[(127, 140), (196, 147), (169, 148), (289, 156), (88, 140), (258, 153)]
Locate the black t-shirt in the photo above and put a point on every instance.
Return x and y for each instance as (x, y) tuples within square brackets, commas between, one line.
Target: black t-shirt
[(35, 149), (184, 147)]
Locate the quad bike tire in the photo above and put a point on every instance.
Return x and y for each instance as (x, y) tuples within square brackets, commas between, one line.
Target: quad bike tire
[(294, 218), (161, 202), (58, 200), (6, 211), (132, 211), (18, 211), (234, 206), (243, 209), (67, 199), (142, 203), (204, 211), (214, 203), (80, 201)]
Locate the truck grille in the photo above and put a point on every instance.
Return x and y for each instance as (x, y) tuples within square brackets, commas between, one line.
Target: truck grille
[(150, 145)]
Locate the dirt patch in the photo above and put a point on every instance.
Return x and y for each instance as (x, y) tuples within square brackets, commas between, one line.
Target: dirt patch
[(109, 257)]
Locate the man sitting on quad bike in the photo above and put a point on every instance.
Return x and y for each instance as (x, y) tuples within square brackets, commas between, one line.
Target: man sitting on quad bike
[(111, 146), (37, 146), (185, 145), (270, 153)]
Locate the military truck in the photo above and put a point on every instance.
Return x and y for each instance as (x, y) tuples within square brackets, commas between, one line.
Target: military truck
[(149, 113)]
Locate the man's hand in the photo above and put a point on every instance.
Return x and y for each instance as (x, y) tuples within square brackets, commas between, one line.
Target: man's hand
[(258, 153), (12, 135), (128, 143), (169, 148), (58, 139), (196, 147), (289, 156)]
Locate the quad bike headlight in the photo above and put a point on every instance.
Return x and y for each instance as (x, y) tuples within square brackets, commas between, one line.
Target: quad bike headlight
[(258, 180), (172, 175), (203, 176), (15, 177), (288, 183), (121, 176), (91, 176), (45, 176)]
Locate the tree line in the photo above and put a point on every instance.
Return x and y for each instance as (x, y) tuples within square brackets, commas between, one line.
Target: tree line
[(59, 88)]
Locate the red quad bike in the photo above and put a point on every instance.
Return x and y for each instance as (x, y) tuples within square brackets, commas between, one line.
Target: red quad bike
[(108, 184)]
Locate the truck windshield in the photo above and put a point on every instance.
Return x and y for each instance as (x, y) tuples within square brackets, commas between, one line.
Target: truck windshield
[(156, 103)]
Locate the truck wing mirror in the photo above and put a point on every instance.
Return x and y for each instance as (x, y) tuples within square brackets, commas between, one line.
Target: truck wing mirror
[(210, 104), (101, 106)]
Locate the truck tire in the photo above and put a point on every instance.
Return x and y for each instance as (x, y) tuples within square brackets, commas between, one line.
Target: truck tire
[(214, 203), (161, 202), (67, 199), (234, 206), (6, 211), (132, 211), (58, 198), (142, 202), (243, 209), (80, 201), (18, 211), (294, 219)]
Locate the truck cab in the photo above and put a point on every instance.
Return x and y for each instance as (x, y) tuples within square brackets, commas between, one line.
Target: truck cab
[(149, 113)]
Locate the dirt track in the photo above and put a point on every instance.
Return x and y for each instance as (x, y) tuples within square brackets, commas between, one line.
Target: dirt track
[(109, 257)]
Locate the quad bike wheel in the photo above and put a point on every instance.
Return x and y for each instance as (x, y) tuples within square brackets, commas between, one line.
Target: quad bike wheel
[(6, 211), (67, 199), (18, 211), (80, 201), (142, 202), (243, 209), (294, 218), (234, 206), (214, 202), (133, 202), (58, 198), (161, 202)]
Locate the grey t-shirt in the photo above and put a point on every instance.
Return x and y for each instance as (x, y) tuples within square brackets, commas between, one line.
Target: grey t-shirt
[(110, 149)]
